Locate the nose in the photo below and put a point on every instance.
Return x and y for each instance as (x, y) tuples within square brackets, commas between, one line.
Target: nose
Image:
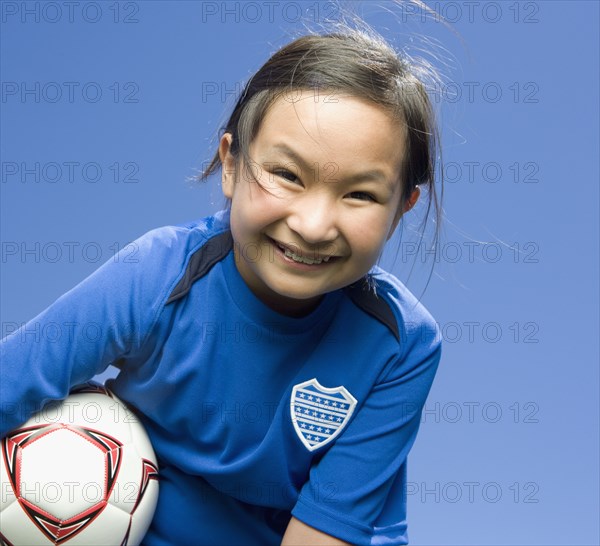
[(314, 219)]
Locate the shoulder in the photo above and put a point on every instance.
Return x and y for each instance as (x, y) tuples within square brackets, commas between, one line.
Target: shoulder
[(173, 246), (183, 238), (394, 307), (389, 301), (160, 260), (414, 318), (200, 243)]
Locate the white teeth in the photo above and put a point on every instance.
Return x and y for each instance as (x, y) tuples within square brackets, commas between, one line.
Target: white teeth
[(302, 259)]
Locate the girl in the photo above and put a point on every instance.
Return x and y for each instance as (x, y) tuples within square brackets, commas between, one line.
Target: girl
[(279, 372)]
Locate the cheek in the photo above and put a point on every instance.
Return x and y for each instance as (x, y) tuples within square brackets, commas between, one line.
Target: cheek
[(252, 210), (370, 238)]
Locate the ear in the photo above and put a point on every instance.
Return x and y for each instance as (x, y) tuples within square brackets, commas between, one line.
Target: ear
[(227, 165), (412, 200), (410, 203)]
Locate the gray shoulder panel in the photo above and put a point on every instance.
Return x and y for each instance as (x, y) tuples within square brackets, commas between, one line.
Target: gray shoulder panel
[(213, 251), (365, 298)]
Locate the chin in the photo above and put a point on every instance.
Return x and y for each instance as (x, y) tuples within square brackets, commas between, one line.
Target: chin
[(299, 297), (296, 296)]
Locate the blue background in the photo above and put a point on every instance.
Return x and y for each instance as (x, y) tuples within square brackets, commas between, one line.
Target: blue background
[(508, 449)]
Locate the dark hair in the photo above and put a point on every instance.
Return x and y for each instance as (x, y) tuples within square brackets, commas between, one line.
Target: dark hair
[(353, 63)]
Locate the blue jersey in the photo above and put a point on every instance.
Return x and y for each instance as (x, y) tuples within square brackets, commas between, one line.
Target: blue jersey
[(254, 416)]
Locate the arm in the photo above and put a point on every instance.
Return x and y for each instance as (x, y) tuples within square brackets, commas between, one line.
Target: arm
[(300, 534), (358, 490), (103, 318)]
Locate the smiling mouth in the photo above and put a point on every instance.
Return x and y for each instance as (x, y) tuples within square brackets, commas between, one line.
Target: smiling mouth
[(299, 258)]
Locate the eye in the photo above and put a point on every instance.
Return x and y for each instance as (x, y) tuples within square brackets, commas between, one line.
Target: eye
[(362, 196), (287, 175)]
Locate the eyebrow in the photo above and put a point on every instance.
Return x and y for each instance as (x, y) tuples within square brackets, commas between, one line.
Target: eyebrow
[(373, 174)]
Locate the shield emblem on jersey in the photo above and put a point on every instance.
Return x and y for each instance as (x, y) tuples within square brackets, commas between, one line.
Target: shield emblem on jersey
[(319, 414)]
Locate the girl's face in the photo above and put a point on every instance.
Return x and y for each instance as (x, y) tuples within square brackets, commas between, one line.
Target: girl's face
[(325, 200)]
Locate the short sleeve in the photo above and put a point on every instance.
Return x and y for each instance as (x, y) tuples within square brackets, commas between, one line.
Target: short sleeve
[(357, 491), (105, 317)]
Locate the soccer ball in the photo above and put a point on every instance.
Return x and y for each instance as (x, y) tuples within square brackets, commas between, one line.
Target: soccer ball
[(79, 472)]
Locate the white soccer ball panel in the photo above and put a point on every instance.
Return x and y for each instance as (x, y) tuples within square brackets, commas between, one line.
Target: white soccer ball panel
[(141, 441), (108, 529), (100, 412), (16, 526), (63, 473)]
